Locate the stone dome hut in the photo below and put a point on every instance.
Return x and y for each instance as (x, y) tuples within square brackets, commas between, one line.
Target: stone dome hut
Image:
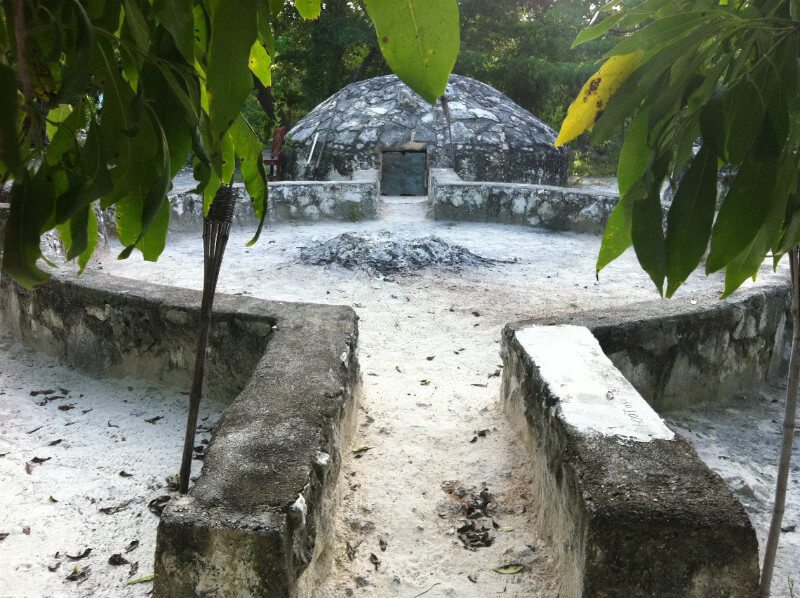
[(380, 124)]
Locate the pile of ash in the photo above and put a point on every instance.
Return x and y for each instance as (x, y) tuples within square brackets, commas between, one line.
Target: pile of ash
[(384, 254)]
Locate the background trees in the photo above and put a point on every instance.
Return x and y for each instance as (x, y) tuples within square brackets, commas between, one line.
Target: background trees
[(107, 99)]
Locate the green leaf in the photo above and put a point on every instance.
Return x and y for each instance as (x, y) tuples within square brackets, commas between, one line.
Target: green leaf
[(595, 31), (690, 218), (32, 201), (233, 31), (77, 70), (9, 145), (308, 9), (747, 263), (663, 31), (176, 16), (249, 150), (55, 117), (137, 25), (79, 236), (635, 152), (154, 237), (647, 234), (260, 64), (743, 212), (420, 40), (712, 123), (617, 236), (744, 114)]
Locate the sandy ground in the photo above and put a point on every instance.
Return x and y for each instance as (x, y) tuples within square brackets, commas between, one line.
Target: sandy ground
[(430, 414), (89, 431), (740, 440)]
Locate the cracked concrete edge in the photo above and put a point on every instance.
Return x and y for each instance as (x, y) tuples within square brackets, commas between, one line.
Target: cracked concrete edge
[(678, 354), (250, 524), (626, 518)]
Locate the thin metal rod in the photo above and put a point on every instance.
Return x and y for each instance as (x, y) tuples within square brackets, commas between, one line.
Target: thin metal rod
[(784, 464), (216, 229)]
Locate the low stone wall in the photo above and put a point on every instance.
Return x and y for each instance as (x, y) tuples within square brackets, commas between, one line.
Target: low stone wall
[(111, 327), (678, 354), (555, 208), (353, 200), (310, 201), (251, 523), (628, 507)]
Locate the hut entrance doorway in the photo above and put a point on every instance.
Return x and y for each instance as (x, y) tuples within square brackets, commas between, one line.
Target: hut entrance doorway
[(404, 173)]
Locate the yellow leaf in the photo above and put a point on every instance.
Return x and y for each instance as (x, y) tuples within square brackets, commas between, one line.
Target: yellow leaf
[(595, 95), (362, 448), (510, 569), (142, 579), (260, 63)]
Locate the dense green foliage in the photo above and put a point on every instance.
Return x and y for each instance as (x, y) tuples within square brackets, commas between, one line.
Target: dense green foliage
[(726, 74), (107, 99), (521, 47)]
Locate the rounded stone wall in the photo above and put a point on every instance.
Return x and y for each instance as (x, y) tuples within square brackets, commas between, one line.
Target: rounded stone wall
[(489, 137)]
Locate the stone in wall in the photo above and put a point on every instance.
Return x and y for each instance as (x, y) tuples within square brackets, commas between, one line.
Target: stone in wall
[(543, 206)]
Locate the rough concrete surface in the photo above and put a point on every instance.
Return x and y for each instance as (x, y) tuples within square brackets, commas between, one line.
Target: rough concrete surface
[(249, 526), (626, 517), (110, 327), (677, 355)]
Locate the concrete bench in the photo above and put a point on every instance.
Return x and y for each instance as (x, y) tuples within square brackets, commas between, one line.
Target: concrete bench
[(262, 506), (628, 506)]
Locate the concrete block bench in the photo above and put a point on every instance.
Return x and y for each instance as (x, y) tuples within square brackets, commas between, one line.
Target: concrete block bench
[(262, 506), (628, 507)]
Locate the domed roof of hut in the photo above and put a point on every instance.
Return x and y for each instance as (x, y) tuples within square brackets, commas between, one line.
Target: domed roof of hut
[(382, 124)]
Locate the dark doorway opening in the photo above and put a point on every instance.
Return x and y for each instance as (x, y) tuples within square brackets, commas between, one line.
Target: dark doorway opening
[(404, 173)]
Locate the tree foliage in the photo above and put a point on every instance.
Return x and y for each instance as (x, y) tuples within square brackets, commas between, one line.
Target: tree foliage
[(721, 73), (107, 99)]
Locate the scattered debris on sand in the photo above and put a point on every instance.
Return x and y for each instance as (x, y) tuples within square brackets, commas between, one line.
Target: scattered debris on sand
[(385, 254)]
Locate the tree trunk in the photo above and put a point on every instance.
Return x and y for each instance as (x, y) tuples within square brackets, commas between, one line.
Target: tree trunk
[(788, 431), (265, 98), (373, 51)]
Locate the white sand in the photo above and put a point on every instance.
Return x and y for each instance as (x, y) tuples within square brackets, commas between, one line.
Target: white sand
[(105, 433), (429, 354)]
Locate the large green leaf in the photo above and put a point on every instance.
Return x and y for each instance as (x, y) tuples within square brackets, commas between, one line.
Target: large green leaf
[(747, 263), (234, 26), (249, 151), (79, 236), (744, 114), (617, 236), (32, 202), (9, 144), (77, 69), (712, 123), (635, 153), (690, 218), (420, 40), (176, 16), (743, 212), (647, 234), (260, 64)]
